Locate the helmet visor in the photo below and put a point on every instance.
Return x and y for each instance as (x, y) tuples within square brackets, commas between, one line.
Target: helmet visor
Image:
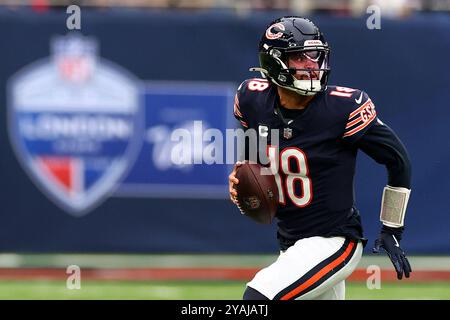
[(304, 55), (314, 54), (307, 64)]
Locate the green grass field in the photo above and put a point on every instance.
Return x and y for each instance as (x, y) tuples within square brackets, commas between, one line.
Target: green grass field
[(193, 289), (196, 290)]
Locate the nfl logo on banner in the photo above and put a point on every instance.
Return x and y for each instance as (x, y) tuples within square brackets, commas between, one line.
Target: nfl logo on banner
[(75, 123)]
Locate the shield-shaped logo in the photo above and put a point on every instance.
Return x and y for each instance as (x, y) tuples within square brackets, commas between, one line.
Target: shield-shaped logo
[(287, 133), (75, 123)]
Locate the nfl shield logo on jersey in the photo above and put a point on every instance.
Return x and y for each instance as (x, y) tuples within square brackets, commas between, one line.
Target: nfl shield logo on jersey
[(287, 133), (75, 123)]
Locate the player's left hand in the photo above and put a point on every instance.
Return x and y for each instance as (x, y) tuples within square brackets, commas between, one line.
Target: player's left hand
[(389, 240)]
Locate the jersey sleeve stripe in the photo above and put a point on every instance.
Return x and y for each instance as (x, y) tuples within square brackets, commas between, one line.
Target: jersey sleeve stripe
[(360, 127), (237, 112), (341, 94), (354, 113), (244, 124), (353, 122)]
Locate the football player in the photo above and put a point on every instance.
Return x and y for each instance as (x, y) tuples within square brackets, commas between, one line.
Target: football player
[(321, 129)]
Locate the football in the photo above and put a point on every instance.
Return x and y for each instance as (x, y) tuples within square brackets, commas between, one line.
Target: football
[(257, 193)]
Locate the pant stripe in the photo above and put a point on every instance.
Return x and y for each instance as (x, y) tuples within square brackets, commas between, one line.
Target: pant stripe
[(320, 273)]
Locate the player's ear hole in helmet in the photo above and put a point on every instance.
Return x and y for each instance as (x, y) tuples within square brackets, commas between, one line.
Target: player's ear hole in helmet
[(293, 54)]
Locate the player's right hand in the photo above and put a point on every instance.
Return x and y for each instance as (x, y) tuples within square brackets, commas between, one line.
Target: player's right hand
[(232, 181)]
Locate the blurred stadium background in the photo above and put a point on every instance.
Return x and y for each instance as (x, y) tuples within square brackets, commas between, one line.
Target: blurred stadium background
[(85, 173)]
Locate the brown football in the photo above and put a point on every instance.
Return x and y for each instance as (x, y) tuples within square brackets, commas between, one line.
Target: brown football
[(257, 193)]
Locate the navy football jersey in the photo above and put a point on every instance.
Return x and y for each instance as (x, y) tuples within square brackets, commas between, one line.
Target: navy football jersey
[(316, 156)]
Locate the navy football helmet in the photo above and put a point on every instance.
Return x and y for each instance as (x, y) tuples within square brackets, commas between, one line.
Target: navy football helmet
[(290, 39)]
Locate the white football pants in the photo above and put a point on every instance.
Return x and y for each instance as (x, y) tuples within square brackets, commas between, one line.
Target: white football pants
[(313, 268)]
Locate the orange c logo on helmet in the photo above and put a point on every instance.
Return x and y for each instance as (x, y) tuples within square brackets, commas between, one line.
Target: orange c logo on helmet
[(270, 35)]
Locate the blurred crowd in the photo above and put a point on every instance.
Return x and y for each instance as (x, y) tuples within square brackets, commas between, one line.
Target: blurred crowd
[(343, 7)]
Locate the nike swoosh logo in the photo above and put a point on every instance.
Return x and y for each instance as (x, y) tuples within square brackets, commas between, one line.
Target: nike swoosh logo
[(396, 242), (358, 101)]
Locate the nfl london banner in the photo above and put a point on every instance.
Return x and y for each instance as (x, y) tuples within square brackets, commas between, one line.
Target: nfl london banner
[(84, 129)]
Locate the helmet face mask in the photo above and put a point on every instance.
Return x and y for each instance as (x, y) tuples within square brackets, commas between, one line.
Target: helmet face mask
[(293, 54)]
